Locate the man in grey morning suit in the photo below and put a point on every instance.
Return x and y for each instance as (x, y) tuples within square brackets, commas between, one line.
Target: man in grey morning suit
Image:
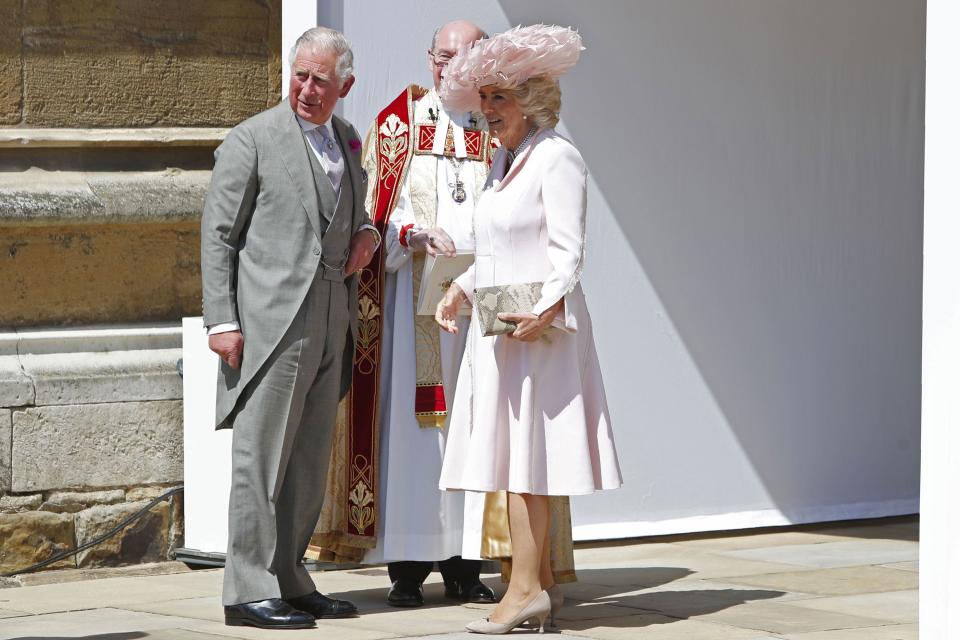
[(283, 230)]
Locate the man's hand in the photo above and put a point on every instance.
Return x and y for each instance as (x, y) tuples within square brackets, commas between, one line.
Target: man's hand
[(229, 346), (362, 246), (434, 241)]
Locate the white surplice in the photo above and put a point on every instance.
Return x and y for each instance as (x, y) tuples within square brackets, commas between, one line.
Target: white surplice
[(418, 521)]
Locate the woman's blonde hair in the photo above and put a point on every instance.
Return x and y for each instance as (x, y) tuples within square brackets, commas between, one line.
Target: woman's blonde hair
[(539, 100)]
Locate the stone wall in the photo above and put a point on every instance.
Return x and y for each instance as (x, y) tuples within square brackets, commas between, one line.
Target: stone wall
[(118, 213), (92, 431), (109, 114), (37, 525), (105, 282), (137, 63)]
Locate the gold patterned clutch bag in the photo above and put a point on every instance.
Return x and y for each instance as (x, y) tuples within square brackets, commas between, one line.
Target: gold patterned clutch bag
[(507, 298)]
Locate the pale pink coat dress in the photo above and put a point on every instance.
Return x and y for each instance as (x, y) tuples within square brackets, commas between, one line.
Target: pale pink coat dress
[(532, 417)]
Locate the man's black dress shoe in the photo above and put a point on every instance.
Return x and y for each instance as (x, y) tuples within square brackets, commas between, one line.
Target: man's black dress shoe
[(320, 606), (477, 592), (272, 613), (405, 593)]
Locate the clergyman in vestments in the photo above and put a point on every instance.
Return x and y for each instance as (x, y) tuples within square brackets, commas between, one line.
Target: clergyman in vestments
[(446, 169)]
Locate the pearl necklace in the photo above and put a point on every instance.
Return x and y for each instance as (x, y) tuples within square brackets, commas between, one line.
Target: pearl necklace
[(520, 147)]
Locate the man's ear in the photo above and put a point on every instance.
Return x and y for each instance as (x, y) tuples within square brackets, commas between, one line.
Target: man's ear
[(345, 88)]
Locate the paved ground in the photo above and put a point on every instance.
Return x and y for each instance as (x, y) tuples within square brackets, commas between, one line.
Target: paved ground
[(841, 582)]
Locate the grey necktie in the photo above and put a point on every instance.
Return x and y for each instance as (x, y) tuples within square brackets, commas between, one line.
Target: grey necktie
[(331, 159)]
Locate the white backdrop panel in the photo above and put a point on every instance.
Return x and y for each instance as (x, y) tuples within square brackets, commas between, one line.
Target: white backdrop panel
[(940, 525), (754, 243)]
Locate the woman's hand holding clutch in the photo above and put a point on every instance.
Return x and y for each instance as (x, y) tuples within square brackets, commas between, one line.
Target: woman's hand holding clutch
[(530, 327), (448, 307)]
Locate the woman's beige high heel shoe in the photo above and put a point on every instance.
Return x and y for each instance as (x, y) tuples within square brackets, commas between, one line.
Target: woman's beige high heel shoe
[(538, 608), (556, 601)]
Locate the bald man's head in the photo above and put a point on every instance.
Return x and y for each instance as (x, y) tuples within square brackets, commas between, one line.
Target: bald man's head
[(447, 40)]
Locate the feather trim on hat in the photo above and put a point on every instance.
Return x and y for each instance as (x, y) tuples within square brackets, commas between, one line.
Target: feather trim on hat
[(508, 60)]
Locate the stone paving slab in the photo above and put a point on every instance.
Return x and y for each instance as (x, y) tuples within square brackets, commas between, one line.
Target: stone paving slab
[(835, 554), (609, 552), (642, 574), (891, 632), (325, 630), (684, 604), (777, 618), (839, 581), (759, 541), (659, 627), (719, 584), (651, 591), (113, 592), (579, 611), (412, 622), (904, 528), (913, 565), (893, 606), (82, 623), (206, 608), (77, 575), (643, 597), (694, 565), (463, 635), (182, 634)]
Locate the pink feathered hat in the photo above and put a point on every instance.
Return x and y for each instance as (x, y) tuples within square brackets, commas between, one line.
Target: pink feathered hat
[(508, 60)]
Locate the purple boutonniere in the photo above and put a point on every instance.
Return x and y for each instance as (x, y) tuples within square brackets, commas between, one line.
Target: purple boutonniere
[(355, 145)]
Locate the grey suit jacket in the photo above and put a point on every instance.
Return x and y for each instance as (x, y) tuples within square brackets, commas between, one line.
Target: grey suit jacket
[(261, 239)]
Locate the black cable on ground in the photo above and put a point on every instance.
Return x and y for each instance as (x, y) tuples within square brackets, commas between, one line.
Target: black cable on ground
[(109, 534)]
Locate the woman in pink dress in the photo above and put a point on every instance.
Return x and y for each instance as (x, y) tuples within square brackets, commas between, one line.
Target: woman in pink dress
[(530, 414)]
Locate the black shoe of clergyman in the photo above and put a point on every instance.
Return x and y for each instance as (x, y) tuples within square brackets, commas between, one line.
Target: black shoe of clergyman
[(273, 613), (320, 606), (477, 592), (451, 590), (404, 593)]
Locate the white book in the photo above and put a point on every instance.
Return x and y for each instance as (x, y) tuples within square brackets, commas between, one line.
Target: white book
[(438, 274)]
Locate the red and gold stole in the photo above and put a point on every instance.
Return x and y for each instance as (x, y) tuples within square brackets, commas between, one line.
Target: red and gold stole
[(348, 522)]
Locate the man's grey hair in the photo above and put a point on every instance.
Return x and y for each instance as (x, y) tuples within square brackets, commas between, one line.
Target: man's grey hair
[(326, 39)]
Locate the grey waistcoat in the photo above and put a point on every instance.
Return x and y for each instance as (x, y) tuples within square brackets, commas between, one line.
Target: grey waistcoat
[(335, 216)]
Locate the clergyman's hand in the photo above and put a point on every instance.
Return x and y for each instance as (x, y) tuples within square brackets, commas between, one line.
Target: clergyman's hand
[(434, 241), (229, 346), (362, 247)]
